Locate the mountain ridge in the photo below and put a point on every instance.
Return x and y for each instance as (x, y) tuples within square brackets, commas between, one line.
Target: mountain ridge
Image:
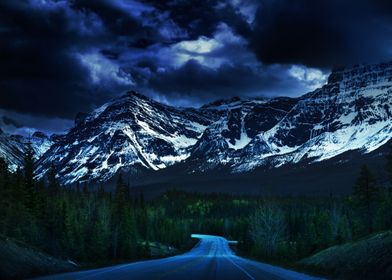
[(134, 133)]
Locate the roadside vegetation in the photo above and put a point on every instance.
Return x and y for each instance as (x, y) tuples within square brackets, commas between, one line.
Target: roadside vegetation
[(102, 228), (367, 258), (19, 261)]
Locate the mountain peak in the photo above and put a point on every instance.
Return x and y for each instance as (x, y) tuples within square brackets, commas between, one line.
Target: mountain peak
[(135, 94), (220, 102), (360, 71), (39, 134), (130, 133)]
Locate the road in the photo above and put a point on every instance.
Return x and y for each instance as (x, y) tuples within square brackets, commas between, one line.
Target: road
[(211, 258)]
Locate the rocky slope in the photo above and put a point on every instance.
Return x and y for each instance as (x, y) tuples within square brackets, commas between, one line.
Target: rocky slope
[(236, 135), (13, 147)]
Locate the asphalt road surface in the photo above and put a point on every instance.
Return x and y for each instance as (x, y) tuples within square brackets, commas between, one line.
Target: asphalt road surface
[(211, 258)]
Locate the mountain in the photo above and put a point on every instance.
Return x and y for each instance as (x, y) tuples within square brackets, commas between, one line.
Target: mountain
[(131, 133), (13, 147), (134, 134), (353, 111), (236, 135)]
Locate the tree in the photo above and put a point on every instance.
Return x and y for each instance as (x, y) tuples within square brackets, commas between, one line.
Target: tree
[(323, 227), (124, 233), (142, 217), (28, 179), (267, 227), (3, 171), (335, 220), (121, 198), (4, 191), (100, 239), (53, 185), (365, 194), (389, 168)]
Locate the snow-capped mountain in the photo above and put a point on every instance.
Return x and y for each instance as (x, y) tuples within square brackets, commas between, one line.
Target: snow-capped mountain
[(130, 133), (133, 133), (235, 136), (13, 147), (353, 111)]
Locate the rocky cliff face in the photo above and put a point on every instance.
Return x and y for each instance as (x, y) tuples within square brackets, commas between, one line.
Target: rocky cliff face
[(236, 135)]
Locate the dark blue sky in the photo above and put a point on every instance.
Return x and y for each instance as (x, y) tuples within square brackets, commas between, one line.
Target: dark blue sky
[(62, 57)]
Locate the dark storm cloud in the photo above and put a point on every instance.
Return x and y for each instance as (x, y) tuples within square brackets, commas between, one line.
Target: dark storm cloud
[(50, 50), (40, 71), (201, 18), (322, 33), (11, 122), (121, 20), (61, 57), (195, 83)]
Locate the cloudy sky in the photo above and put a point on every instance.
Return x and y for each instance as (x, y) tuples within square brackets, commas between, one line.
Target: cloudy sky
[(58, 58)]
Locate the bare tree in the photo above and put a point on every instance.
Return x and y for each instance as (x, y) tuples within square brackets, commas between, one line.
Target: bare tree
[(268, 227), (335, 217)]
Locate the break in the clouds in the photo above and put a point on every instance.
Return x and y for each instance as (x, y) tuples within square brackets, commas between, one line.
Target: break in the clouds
[(62, 57)]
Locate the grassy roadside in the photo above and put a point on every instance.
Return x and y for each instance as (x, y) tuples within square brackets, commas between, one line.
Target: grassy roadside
[(290, 265), (367, 258), (19, 260)]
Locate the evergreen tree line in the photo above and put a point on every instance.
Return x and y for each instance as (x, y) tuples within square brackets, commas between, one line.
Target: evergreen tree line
[(104, 226), (77, 224)]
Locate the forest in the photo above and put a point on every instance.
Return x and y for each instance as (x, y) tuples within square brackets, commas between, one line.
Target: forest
[(99, 227)]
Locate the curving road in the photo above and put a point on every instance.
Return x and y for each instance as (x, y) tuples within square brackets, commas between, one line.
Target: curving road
[(210, 259)]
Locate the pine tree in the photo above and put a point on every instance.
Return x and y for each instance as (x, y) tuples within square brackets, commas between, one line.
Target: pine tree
[(389, 168), (17, 190), (121, 219), (3, 172), (100, 240), (4, 192), (53, 185), (365, 195), (142, 217), (101, 192), (28, 179)]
